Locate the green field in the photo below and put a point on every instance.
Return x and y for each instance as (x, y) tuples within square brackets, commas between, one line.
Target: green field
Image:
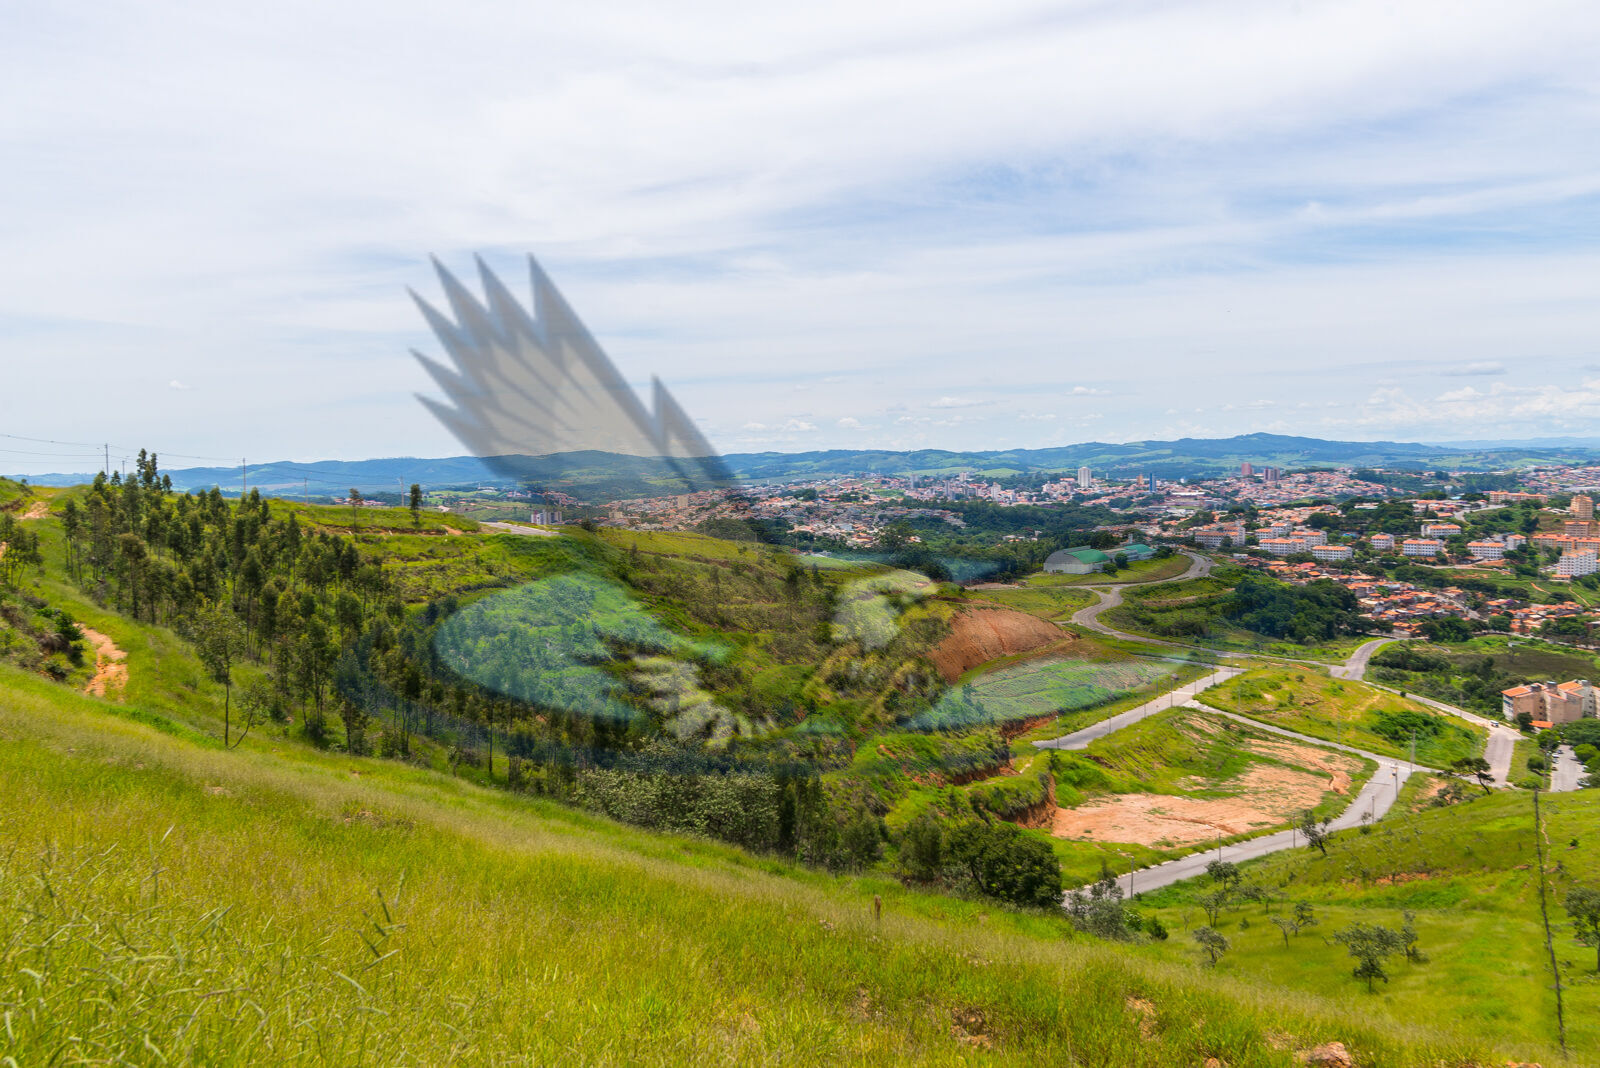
[(1137, 571), (1039, 687), (1308, 702), (168, 902), (1049, 602), (1469, 874)]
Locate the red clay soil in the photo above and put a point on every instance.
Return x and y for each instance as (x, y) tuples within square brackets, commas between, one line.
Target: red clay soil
[(978, 635)]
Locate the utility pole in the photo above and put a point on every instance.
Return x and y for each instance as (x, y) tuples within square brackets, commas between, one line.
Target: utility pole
[(108, 459), (244, 474)]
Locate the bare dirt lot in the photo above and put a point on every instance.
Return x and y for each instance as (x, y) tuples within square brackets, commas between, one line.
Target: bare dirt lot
[(1266, 795), (978, 635)]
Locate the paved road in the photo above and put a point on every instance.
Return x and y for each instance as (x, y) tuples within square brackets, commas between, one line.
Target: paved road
[(1566, 772), (1182, 695), (1375, 799), (1356, 667), (1502, 738)]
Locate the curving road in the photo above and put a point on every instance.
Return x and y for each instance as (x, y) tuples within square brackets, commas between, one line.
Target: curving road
[(1182, 695)]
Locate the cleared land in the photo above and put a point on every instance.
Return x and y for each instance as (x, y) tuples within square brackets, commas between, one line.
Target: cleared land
[(1308, 702), (1182, 777)]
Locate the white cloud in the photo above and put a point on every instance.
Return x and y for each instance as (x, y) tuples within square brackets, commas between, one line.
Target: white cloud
[(798, 426), (1304, 198), (175, 384), (849, 423)]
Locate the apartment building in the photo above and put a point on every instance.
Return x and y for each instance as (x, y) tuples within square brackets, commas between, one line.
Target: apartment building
[(1331, 552), (1486, 550), (1575, 562), (1440, 530), (1283, 546), (1381, 543), (1421, 547), (1549, 702)]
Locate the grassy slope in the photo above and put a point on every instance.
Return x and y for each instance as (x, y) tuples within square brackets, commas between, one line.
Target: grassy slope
[(1308, 702), (166, 901), (1467, 872)]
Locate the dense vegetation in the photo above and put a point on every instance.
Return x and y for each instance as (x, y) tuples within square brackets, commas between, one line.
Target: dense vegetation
[(1234, 606)]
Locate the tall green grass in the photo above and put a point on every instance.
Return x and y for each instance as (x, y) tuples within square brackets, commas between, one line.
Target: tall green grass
[(167, 903)]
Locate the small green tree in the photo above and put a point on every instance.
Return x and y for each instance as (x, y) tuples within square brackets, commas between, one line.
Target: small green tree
[(1214, 903), (415, 503), (1212, 944), (355, 505), (1304, 915), (220, 641), (1371, 945), (1316, 832), (1224, 872), (1288, 927), (1583, 907), (1478, 768)]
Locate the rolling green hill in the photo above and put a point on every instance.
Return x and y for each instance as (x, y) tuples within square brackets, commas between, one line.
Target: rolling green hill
[(163, 901)]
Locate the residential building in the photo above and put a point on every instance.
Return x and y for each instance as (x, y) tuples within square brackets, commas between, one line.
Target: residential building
[(1583, 507), (1575, 562), (1486, 550), (1381, 543), (1331, 552), (1578, 528), (1508, 497), (1421, 547), (1270, 474), (1310, 535), (1246, 470), (1549, 702), (1084, 478), (1440, 530), (1283, 546)]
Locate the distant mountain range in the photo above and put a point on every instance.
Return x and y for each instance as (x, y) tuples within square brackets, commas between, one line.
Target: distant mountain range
[(1183, 458)]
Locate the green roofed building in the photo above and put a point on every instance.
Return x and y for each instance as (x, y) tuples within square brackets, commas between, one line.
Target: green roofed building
[(1134, 551), (1076, 561)]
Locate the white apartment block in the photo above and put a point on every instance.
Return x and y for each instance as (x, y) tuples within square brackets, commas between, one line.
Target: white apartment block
[(1440, 530), (1382, 543), (1311, 537), (1332, 552), (1421, 547), (1575, 562), (1486, 550), (1283, 546)]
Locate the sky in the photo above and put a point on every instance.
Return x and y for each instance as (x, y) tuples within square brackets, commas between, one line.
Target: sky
[(831, 225)]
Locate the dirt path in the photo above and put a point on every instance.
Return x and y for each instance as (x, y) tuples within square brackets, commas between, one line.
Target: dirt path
[(38, 510), (110, 670)]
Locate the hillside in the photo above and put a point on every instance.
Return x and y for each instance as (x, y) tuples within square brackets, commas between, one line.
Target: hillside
[(323, 704), (1468, 873), (169, 902)]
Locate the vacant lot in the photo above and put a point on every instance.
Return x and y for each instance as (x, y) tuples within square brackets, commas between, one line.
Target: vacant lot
[(1308, 702), (1044, 687), (1183, 777)]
